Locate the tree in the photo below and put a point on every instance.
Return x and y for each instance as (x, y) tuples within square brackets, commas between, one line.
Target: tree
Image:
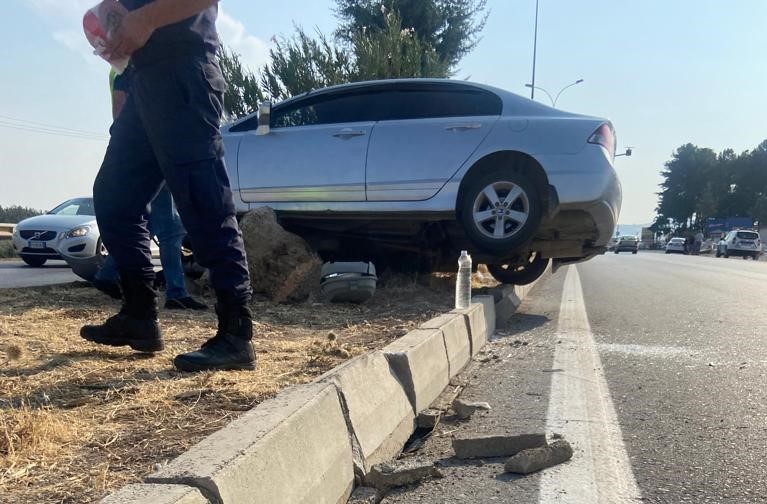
[(16, 213), (301, 63), (243, 94), (451, 27), (394, 52)]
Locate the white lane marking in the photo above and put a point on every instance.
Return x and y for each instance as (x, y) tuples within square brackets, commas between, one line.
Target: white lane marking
[(581, 410)]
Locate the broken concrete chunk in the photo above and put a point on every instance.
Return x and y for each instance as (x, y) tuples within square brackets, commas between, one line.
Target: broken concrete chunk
[(535, 459), (428, 419), (364, 495), (464, 409), (496, 446), (400, 473)]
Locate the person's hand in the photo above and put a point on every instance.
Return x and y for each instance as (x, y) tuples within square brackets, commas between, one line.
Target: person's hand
[(133, 33)]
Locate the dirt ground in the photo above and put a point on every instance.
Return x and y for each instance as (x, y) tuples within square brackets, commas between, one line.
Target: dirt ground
[(78, 421)]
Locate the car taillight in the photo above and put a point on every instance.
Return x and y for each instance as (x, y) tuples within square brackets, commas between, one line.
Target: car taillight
[(605, 136)]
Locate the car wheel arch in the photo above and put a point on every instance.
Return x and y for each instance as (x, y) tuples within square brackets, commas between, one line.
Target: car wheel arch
[(515, 160)]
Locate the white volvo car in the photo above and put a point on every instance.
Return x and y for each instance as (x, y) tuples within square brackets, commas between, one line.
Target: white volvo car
[(416, 170)]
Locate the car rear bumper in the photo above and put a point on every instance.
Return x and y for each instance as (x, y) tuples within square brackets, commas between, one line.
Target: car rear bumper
[(587, 182)]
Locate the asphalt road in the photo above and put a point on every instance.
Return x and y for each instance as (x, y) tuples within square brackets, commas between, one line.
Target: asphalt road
[(654, 367), (17, 274)]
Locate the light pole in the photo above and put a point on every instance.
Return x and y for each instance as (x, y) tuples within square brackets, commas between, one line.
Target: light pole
[(535, 51), (554, 100)]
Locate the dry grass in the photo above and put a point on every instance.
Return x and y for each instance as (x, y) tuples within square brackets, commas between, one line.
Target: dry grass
[(77, 421)]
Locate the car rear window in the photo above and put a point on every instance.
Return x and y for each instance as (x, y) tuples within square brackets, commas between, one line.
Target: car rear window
[(677, 240), (748, 235)]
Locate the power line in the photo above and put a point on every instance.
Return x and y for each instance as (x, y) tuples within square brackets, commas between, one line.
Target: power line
[(48, 129)]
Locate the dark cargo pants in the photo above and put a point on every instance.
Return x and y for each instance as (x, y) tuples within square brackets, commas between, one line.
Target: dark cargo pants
[(169, 130)]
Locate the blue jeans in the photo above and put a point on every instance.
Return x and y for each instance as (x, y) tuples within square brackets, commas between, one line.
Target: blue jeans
[(165, 223)]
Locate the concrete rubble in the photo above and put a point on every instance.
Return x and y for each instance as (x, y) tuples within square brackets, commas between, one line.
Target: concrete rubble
[(428, 419), (401, 473), (465, 409), (496, 445), (535, 459), (364, 495), (282, 265)]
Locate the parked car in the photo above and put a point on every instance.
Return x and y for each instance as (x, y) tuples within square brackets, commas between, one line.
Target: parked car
[(740, 243), (419, 169), (627, 244), (70, 228), (676, 246)]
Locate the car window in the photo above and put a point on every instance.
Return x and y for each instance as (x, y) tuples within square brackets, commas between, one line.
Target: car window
[(79, 206), (403, 104), (350, 107), (747, 235)]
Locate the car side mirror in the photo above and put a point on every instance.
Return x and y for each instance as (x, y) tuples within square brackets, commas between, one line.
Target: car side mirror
[(264, 118)]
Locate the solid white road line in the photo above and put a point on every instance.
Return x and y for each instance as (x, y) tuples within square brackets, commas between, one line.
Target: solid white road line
[(581, 410)]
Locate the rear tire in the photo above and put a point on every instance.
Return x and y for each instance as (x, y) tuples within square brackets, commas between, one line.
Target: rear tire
[(34, 261), (500, 211), (519, 275)]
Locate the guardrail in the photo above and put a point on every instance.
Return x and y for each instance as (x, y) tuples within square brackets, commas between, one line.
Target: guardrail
[(6, 230)]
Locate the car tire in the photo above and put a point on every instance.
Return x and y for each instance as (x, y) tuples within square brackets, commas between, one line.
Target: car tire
[(616, 251), (34, 261), (634, 252), (479, 214), (519, 275)]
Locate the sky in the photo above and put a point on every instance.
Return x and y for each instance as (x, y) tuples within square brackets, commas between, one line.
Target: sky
[(664, 72)]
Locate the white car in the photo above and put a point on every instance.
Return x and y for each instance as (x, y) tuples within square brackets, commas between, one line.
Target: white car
[(418, 169), (676, 246), (740, 243), (69, 229)]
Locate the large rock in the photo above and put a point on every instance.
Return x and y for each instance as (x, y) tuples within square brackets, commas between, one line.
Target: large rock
[(282, 265)]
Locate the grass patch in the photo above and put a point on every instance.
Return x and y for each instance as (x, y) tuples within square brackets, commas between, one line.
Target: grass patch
[(78, 421)]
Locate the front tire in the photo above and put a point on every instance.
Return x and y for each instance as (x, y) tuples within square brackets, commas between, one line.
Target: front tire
[(523, 274), (500, 211), (34, 261)]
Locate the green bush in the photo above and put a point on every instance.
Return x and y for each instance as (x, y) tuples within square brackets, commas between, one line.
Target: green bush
[(6, 249)]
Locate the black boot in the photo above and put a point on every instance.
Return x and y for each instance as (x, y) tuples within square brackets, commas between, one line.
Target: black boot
[(229, 349), (135, 325)]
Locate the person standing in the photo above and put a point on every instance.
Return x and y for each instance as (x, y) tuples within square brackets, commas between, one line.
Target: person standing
[(168, 131), (164, 223)]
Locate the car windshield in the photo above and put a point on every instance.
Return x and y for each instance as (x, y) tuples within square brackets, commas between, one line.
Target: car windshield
[(747, 235), (677, 241), (76, 206)]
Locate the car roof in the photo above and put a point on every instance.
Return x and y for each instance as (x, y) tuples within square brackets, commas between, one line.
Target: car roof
[(511, 101)]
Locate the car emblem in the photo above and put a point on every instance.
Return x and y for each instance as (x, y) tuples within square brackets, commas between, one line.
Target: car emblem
[(37, 236)]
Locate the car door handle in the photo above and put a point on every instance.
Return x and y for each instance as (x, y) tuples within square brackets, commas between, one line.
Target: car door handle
[(349, 133), (463, 127)]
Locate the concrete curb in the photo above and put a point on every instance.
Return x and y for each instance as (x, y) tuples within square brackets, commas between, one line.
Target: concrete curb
[(307, 444)]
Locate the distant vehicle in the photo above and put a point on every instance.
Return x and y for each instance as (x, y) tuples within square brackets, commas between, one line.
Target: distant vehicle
[(426, 168), (676, 246), (740, 243), (69, 228), (627, 244)]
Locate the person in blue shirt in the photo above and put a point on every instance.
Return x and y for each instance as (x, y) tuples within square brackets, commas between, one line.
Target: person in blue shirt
[(168, 133)]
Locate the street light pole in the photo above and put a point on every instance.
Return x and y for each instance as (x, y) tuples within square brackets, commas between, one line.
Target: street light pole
[(554, 100), (535, 51)]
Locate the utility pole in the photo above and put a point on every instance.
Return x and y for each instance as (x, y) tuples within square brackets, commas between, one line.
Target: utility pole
[(535, 51)]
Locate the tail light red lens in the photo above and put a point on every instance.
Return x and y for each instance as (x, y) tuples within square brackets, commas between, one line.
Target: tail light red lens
[(605, 136)]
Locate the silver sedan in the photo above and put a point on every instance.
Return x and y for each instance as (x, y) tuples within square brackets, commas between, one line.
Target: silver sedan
[(416, 170)]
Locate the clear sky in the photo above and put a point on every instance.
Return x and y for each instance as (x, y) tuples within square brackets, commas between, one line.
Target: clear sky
[(665, 72)]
